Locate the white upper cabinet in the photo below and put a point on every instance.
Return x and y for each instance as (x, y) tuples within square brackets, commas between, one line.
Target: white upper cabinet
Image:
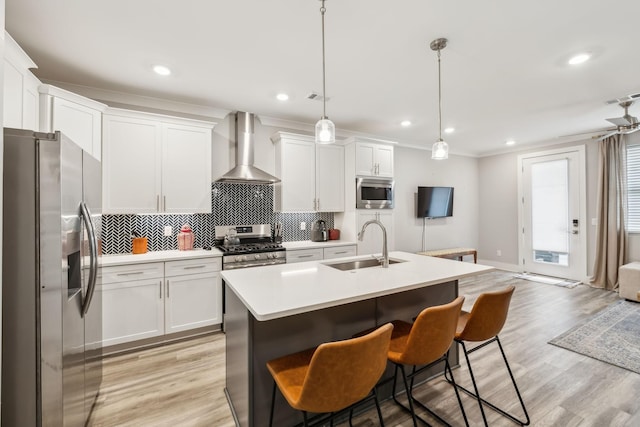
[(312, 176), (374, 159), (21, 108), (154, 163), (77, 117)]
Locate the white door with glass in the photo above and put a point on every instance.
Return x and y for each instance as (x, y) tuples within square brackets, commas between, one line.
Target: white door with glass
[(553, 213)]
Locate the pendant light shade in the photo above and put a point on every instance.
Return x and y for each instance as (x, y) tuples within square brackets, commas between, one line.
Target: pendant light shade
[(440, 149), (325, 129)]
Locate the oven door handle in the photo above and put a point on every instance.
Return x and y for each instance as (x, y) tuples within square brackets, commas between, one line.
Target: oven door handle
[(257, 264)]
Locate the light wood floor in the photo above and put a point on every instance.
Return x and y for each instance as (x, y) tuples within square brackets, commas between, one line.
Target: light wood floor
[(181, 384)]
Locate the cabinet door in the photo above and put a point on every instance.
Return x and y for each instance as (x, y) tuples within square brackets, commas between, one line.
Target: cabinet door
[(365, 159), (373, 238), (132, 310), (384, 160), (302, 255), (12, 96), (192, 301), (340, 252), (186, 169), (30, 103), (298, 176), (330, 178), (131, 168), (82, 124)]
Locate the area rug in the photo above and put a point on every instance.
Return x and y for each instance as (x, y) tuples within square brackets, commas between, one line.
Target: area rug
[(565, 283), (612, 336)]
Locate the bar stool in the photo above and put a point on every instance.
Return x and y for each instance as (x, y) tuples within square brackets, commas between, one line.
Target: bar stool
[(425, 342), (332, 377), (485, 321)]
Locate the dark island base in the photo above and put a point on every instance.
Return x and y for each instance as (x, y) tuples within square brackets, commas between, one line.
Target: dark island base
[(251, 343)]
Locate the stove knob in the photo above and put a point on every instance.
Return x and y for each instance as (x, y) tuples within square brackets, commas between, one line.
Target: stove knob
[(269, 256), (257, 256)]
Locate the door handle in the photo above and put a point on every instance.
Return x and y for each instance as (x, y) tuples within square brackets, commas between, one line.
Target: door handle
[(93, 257)]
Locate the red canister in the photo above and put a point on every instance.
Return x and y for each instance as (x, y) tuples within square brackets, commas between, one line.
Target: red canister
[(334, 234), (185, 238)]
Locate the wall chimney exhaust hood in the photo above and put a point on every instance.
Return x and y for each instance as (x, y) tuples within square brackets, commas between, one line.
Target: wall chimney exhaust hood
[(245, 172)]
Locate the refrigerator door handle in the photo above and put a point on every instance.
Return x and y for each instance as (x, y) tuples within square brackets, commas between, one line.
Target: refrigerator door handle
[(93, 257)]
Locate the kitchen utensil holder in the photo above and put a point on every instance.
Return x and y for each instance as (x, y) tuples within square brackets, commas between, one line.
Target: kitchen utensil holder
[(139, 245)]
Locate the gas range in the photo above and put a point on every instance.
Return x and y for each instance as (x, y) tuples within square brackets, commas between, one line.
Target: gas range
[(252, 246)]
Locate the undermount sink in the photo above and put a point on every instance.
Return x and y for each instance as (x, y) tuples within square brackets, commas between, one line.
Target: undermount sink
[(361, 263)]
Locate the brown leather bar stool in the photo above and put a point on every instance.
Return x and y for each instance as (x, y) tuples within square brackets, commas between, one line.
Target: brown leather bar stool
[(332, 377), (485, 321), (425, 342)]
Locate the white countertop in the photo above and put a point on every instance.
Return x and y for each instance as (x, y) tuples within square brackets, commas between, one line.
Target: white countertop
[(287, 289), (157, 256), (308, 244)]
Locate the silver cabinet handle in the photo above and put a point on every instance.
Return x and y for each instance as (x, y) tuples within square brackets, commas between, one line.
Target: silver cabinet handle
[(168, 287), (341, 252), (192, 267), (160, 287), (133, 273), (157, 202), (304, 256), (318, 207)]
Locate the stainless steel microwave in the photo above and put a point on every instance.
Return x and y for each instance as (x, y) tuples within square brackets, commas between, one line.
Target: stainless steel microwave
[(374, 193)]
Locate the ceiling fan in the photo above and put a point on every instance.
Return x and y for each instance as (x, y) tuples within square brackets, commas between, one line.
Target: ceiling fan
[(623, 125)]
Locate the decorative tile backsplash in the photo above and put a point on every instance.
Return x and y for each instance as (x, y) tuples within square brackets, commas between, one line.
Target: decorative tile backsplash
[(231, 204)]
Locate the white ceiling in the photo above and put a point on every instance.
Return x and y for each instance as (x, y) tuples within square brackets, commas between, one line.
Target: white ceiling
[(504, 73)]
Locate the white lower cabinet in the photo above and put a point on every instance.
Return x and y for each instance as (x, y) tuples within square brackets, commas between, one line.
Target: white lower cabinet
[(152, 299), (318, 254), (194, 299), (340, 251), (132, 302), (302, 255)]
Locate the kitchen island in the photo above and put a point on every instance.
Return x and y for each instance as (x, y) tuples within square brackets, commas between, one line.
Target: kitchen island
[(277, 310)]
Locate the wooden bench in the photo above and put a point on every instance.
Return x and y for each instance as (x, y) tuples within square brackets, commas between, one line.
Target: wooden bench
[(452, 253)]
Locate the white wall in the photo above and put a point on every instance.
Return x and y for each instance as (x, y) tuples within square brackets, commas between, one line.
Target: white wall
[(414, 168)]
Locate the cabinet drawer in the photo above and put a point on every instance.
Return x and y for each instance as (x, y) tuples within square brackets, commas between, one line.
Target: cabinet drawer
[(192, 266), (130, 272), (304, 255), (339, 252)]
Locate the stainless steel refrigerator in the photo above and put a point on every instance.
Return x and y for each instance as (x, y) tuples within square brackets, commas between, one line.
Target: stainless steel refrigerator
[(51, 316)]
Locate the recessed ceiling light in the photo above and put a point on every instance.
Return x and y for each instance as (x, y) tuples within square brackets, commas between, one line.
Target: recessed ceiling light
[(449, 130), (282, 96), (579, 58), (405, 123), (161, 70), (510, 142)]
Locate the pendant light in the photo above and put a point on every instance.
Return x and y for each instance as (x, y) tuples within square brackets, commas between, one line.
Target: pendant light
[(440, 149), (325, 129)]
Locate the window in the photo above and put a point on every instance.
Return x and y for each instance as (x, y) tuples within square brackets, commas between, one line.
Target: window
[(633, 188)]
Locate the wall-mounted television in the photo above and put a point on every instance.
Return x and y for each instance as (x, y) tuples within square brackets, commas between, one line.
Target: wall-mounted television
[(435, 202)]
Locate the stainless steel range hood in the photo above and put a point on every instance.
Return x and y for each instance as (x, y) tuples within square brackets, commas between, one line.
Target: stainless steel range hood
[(245, 172)]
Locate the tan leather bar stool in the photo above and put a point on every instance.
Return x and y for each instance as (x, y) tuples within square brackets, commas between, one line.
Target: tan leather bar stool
[(485, 321), (424, 343), (333, 377)]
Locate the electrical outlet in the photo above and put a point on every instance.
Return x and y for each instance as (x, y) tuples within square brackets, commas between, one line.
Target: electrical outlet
[(499, 252), (168, 230), (303, 225)]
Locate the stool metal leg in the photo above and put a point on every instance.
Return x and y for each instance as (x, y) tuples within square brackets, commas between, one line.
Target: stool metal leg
[(480, 400), (273, 400), (375, 398)]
